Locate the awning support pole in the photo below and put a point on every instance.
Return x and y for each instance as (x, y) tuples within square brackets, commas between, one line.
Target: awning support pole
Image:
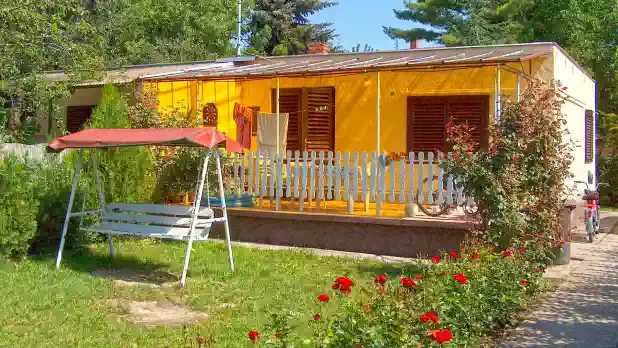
[(518, 87), (65, 227), (378, 153), (498, 92), (97, 177), (276, 155), (196, 208)]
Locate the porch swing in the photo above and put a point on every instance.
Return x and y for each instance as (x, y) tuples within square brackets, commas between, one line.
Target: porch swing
[(149, 220)]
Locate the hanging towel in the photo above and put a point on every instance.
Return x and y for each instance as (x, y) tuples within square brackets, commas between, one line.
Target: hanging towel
[(267, 132), (243, 116)]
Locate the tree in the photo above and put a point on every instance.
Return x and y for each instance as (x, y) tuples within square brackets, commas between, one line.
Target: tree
[(457, 22), (145, 31), (281, 27)]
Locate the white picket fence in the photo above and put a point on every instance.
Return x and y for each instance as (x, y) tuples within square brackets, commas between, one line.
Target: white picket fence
[(322, 177), (35, 152)]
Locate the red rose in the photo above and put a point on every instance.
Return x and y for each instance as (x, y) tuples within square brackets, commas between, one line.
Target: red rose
[(418, 277), (523, 283), (344, 281), (407, 283), (507, 253), (442, 336), (474, 256), (316, 317), (200, 340), (278, 334), (323, 298), (460, 277), (381, 279), (538, 269), (344, 284), (435, 259), (430, 316), (345, 289), (523, 249), (254, 335), (516, 158), (453, 255), (335, 286)]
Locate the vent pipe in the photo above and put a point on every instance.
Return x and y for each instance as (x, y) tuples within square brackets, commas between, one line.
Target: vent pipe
[(239, 28)]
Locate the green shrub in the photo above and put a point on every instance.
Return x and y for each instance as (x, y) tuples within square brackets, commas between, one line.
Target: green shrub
[(19, 207)]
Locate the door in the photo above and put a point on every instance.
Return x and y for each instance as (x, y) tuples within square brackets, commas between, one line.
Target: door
[(311, 125)]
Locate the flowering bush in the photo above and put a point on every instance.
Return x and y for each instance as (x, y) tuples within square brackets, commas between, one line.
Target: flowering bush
[(526, 166), (455, 302)]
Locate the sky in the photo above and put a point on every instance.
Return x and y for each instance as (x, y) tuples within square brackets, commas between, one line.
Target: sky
[(361, 21)]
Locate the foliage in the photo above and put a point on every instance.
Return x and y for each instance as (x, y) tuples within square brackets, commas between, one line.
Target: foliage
[(126, 173), (282, 27), (608, 169), (146, 32), (526, 166), (467, 296), (20, 206)]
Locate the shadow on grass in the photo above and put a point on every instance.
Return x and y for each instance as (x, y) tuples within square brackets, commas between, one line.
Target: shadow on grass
[(99, 263)]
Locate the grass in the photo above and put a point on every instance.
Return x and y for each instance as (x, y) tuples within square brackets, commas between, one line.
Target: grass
[(45, 308), (609, 209)]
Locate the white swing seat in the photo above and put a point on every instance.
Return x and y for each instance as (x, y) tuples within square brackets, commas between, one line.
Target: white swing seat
[(154, 221)]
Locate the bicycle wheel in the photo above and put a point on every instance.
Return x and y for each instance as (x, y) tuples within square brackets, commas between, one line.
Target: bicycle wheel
[(434, 210)]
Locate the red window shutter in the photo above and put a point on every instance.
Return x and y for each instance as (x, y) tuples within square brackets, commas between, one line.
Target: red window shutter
[(77, 117), (290, 102), (589, 136), (427, 118), (320, 118), (426, 124)]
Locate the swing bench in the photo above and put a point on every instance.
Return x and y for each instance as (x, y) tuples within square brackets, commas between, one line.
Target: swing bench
[(149, 220)]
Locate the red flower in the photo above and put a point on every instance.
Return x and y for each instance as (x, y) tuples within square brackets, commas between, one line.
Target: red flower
[(430, 316), (323, 298), (516, 158), (254, 335), (453, 255), (507, 253), (474, 255), (407, 283), (523, 283), (443, 273), (538, 269), (316, 317), (418, 277), (460, 277), (344, 284), (435, 259), (381, 279), (278, 334), (442, 336), (523, 249), (200, 340), (366, 308)]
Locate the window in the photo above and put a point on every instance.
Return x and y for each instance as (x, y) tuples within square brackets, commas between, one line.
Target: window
[(427, 118), (77, 115), (311, 124), (589, 136)]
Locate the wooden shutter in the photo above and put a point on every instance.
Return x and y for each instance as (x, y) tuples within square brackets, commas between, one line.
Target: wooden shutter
[(77, 116), (290, 102), (319, 123), (427, 118), (473, 110), (426, 124), (589, 136)]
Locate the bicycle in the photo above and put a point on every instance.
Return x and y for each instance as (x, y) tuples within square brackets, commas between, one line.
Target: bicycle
[(591, 212), (444, 208)]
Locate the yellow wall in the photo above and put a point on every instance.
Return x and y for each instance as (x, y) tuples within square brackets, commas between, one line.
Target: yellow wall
[(355, 99)]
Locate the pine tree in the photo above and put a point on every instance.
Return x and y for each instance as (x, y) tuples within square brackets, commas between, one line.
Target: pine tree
[(281, 27)]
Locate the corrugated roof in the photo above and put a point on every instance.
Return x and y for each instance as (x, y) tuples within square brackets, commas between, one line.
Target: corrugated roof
[(130, 73), (350, 62)]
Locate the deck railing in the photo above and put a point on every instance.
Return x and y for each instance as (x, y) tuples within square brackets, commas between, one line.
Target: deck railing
[(322, 177)]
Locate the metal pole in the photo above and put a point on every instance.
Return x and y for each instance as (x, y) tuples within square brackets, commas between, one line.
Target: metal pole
[(194, 217), (65, 227), (239, 27), (278, 113), (379, 97), (224, 209), (497, 91), (97, 177), (518, 87)]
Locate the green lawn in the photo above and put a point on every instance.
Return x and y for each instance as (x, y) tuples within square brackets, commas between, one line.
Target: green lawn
[(609, 209), (70, 308)]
